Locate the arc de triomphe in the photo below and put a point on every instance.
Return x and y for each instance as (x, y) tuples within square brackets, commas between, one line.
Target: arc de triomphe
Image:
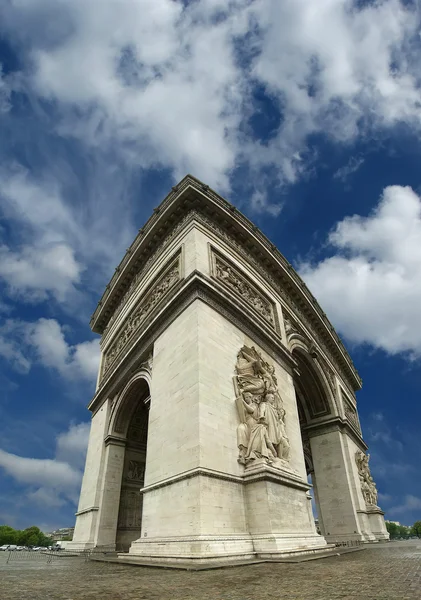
[(222, 386)]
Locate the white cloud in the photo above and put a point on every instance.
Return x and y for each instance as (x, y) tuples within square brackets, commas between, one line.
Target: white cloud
[(336, 69), (166, 81), (52, 482), (411, 503), (44, 342), (11, 351), (371, 288), (60, 241), (40, 472), (36, 272), (72, 444), (349, 169), (44, 263), (160, 78), (4, 93)]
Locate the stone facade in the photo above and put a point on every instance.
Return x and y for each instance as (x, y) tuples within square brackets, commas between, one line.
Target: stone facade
[(222, 385)]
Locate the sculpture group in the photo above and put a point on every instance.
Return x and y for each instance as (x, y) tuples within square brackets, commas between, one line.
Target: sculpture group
[(261, 435), (368, 486)]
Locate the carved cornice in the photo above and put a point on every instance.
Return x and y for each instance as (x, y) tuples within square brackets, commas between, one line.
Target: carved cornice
[(246, 239), (87, 510), (334, 424), (113, 440), (262, 474)]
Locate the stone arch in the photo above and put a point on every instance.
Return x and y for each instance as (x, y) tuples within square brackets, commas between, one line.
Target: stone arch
[(314, 395), (128, 426), (138, 388)]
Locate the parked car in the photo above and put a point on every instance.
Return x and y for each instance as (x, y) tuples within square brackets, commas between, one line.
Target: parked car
[(12, 547), (4, 547)]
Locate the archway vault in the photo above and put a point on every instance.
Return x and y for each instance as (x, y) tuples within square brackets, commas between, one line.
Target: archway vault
[(128, 424), (135, 391), (314, 396)]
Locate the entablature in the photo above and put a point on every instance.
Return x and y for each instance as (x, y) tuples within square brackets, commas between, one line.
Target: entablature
[(191, 200)]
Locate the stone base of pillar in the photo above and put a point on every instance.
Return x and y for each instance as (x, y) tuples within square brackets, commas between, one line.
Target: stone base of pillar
[(369, 537), (272, 547), (214, 550), (195, 549), (377, 524), (79, 546)]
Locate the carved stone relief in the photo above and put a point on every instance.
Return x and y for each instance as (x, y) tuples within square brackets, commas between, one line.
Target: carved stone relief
[(261, 435), (238, 283), (145, 266), (159, 289), (351, 413), (368, 486), (136, 471)]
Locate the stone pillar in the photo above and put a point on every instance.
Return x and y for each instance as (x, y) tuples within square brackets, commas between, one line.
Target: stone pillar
[(337, 508), (200, 504), (85, 534), (110, 492)]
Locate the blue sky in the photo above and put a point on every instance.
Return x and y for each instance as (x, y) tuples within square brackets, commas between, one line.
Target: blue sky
[(306, 115)]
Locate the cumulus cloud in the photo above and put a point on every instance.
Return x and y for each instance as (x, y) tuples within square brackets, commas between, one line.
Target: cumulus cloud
[(158, 76), (72, 444), (4, 93), (171, 82), (44, 342), (59, 240), (410, 503), (371, 287), (336, 68), (45, 263), (52, 482)]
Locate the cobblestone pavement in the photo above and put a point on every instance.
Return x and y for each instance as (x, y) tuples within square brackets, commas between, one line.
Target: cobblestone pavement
[(385, 572)]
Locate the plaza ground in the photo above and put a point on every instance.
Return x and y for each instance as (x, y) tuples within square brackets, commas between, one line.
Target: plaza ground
[(389, 571)]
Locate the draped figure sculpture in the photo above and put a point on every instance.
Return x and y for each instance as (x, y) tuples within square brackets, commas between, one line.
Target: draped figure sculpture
[(261, 433), (368, 486)]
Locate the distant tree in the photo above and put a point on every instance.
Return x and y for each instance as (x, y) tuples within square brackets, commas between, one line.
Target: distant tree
[(416, 528), (68, 538), (393, 529), (32, 540), (31, 536), (403, 531), (43, 540), (7, 535)]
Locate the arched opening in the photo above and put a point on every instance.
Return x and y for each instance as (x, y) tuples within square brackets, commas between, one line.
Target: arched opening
[(132, 421), (313, 404)]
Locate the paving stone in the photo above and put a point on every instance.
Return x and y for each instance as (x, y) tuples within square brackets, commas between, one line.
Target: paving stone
[(390, 571)]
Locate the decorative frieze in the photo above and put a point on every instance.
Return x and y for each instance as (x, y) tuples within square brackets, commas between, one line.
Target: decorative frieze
[(350, 413), (136, 471), (139, 274), (158, 290), (239, 284)]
